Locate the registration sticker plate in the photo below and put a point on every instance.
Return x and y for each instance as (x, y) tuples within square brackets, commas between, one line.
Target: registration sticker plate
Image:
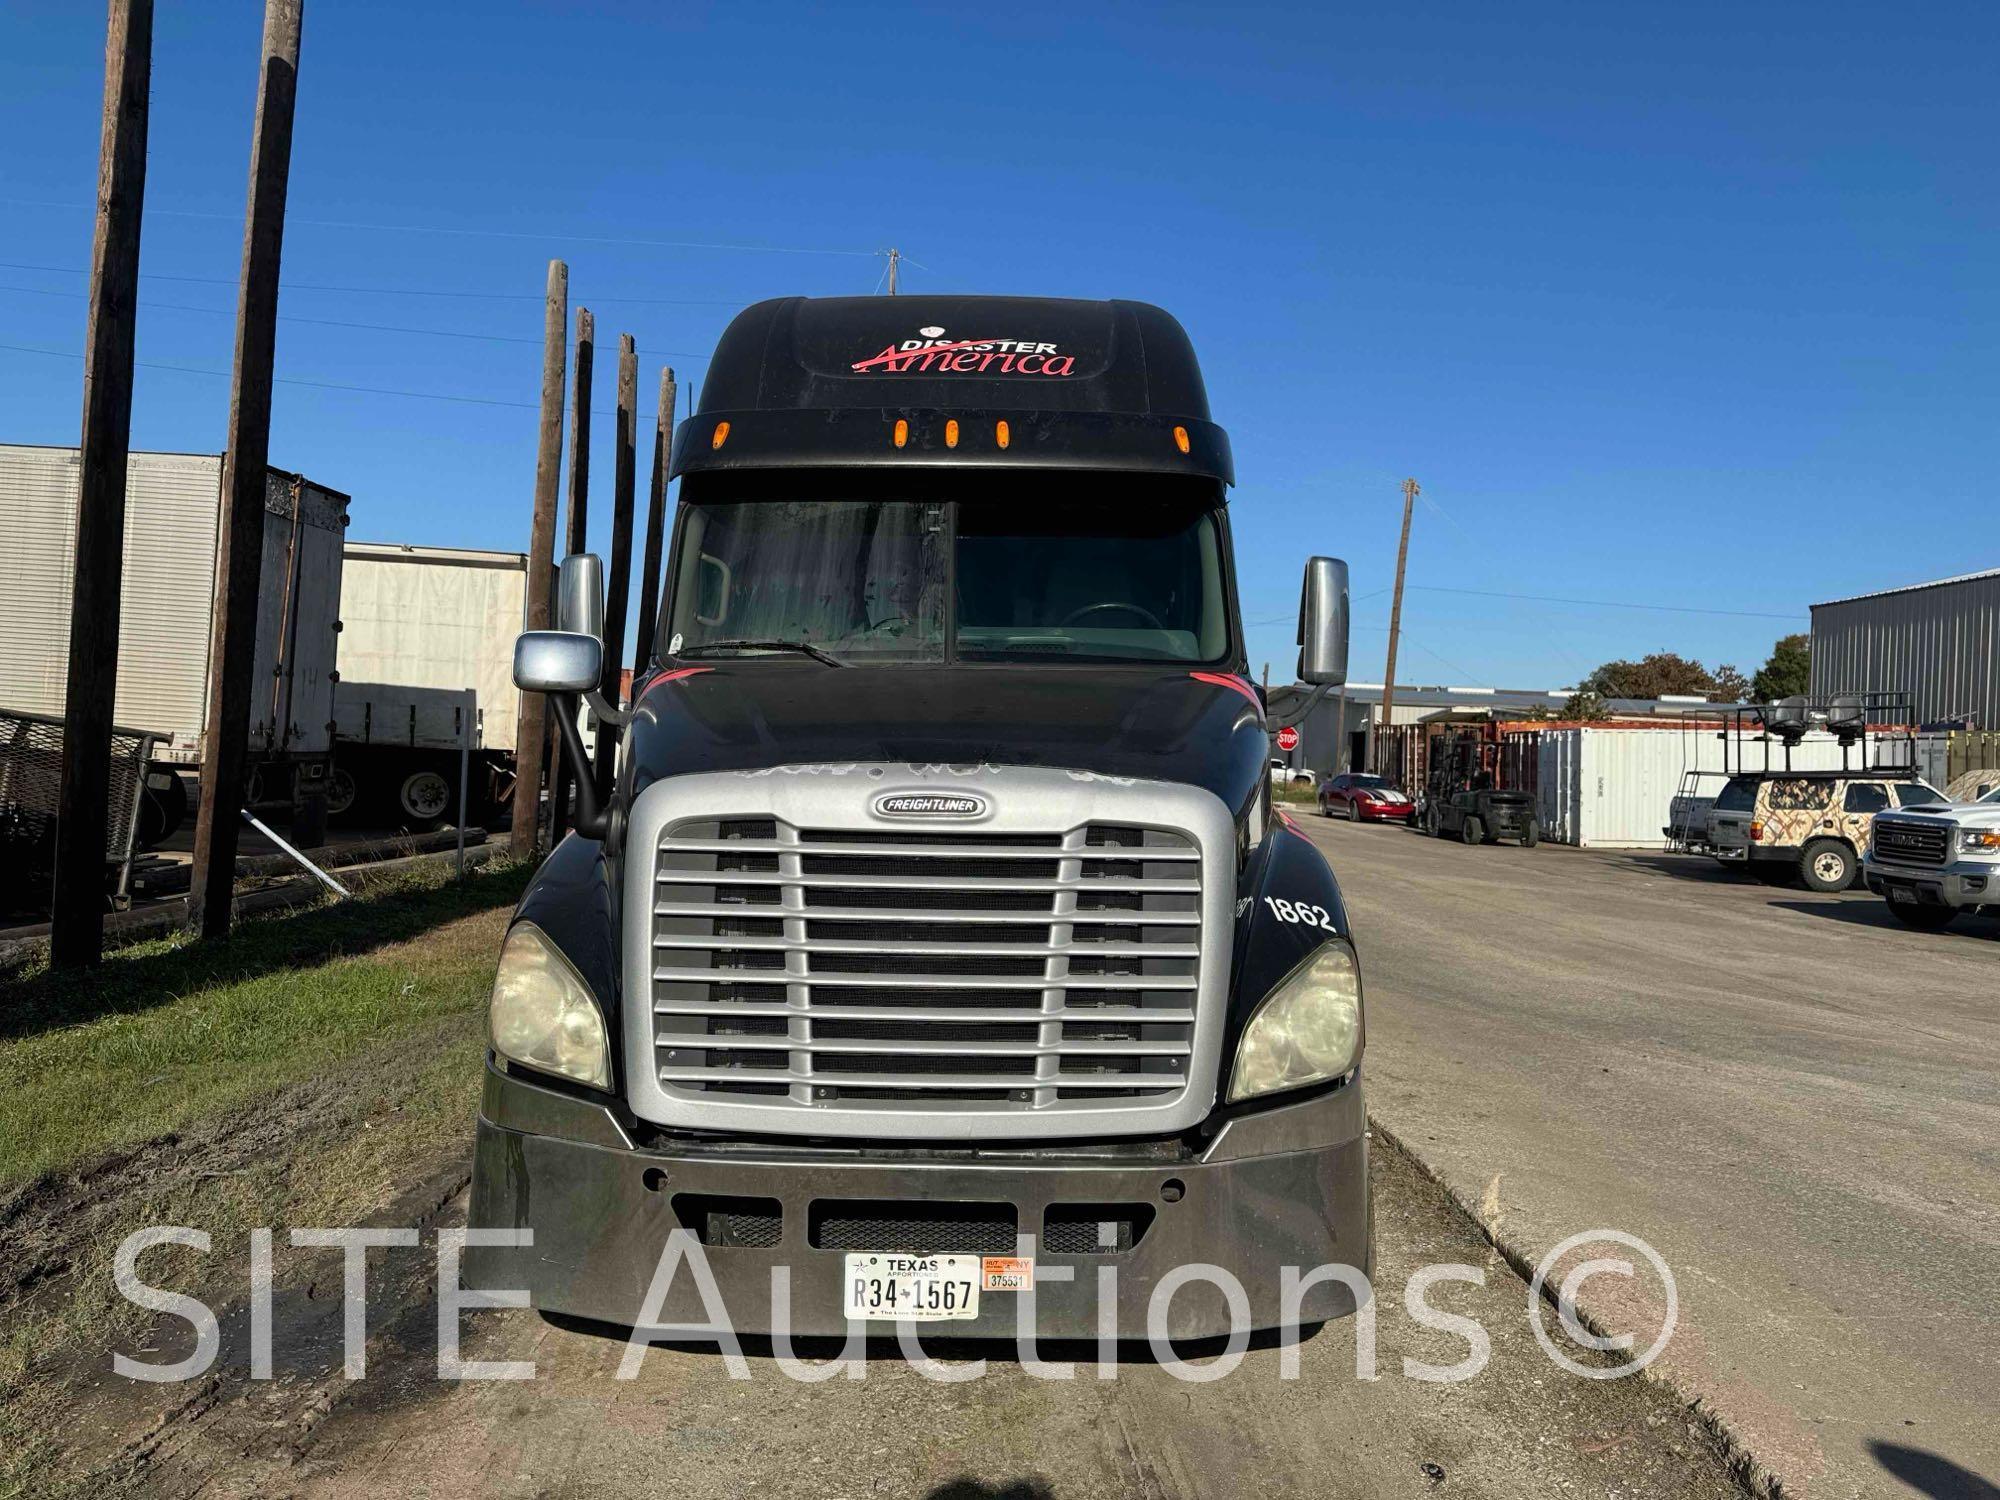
[(918, 1288)]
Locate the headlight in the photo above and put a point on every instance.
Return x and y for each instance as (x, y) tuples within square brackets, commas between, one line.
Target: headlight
[(543, 1014), (1979, 840), (1308, 1030)]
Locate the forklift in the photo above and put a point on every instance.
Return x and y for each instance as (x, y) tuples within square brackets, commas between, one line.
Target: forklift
[(1462, 799)]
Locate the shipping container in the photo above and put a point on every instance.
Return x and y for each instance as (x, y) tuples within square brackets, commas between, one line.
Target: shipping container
[(1613, 788), (167, 599)]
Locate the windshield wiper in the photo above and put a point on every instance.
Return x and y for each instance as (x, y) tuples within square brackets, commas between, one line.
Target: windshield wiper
[(799, 646)]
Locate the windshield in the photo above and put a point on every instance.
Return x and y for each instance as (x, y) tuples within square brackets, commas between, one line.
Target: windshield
[(1080, 568), (1363, 780)]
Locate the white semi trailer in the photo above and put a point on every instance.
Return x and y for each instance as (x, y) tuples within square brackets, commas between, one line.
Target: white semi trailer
[(426, 671), (167, 606)]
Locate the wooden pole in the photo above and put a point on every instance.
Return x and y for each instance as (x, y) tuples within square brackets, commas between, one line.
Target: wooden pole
[(245, 466), (532, 727), (576, 539), (1410, 493), (645, 638), (76, 927), (618, 587)]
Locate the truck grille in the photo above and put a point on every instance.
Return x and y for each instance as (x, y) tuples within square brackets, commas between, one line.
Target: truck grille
[(870, 969), (1912, 842)]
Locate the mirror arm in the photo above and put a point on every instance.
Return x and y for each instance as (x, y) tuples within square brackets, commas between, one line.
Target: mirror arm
[(1312, 700), (591, 821), (607, 711)]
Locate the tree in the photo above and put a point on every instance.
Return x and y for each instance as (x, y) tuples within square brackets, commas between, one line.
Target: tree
[(1731, 686), (1788, 672), (1659, 675), (1584, 705)]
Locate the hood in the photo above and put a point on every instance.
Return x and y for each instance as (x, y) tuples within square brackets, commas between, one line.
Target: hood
[(1161, 724)]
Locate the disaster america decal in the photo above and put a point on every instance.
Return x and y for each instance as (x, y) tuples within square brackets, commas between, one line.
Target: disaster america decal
[(931, 352)]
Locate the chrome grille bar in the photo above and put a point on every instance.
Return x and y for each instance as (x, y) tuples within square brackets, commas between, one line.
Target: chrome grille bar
[(1032, 970)]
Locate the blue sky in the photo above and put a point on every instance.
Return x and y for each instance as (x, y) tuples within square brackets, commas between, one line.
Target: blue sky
[(1688, 306)]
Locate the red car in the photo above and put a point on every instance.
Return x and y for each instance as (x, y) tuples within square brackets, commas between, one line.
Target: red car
[(1358, 797)]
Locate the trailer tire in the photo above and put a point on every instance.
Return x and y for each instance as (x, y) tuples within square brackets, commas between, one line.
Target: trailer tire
[(1472, 831), (424, 796), (1827, 866), (342, 792)]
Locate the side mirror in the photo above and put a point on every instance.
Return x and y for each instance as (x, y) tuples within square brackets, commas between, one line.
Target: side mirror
[(580, 595), (1323, 623), (558, 661)]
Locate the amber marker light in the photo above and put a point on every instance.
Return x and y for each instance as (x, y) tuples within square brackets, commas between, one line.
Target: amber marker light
[(951, 432), (1001, 435), (1181, 439), (721, 435), (902, 432)]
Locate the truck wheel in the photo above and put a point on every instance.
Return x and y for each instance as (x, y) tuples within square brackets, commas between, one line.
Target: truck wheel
[(424, 796), (1433, 824), (1532, 835), (1924, 918), (1472, 831), (1827, 865), (340, 792)]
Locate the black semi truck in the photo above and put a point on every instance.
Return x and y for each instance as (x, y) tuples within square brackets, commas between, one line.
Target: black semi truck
[(940, 937)]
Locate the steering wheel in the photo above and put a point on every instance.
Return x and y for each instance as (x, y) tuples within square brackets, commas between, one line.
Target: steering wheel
[(1131, 609)]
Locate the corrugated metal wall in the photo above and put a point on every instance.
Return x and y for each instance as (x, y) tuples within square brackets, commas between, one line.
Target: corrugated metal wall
[(1941, 644)]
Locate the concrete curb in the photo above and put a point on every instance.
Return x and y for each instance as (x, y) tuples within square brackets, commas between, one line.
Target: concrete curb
[(1756, 1477)]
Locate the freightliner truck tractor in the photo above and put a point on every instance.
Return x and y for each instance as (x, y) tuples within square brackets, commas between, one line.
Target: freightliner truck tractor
[(939, 942)]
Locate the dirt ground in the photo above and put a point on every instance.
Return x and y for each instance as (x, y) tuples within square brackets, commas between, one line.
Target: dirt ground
[(684, 1427)]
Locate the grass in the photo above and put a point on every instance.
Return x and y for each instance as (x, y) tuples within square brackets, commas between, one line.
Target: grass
[(1295, 792), (169, 1032), (310, 1070)]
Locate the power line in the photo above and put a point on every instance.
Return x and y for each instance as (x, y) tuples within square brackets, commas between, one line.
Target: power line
[(388, 291), (497, 234), (1678, 609), (436, 333), (323, 385)]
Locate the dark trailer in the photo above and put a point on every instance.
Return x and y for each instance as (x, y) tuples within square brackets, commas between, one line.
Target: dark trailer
[(940, 911)]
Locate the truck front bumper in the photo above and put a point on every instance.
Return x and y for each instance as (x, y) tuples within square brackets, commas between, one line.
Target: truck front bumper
[(1967, 883), (1284, 1187)]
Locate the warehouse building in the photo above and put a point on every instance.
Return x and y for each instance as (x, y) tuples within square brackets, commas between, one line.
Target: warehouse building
[(1938, 642)]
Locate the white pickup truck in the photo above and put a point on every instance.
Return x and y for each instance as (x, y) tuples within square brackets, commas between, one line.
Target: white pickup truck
[(1934, 862)]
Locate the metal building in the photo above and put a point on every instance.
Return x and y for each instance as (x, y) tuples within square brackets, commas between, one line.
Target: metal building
[(1939, 642)]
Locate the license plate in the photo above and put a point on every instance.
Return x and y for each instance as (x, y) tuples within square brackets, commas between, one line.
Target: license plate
[(920, 1288), (1903, 893)]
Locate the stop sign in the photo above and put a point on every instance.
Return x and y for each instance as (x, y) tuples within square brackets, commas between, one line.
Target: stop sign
[(1288, 739)]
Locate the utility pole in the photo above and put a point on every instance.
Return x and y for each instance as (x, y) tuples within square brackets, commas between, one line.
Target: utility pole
[(618, 587), (532, 727), (76, 925), (656, 528), (895, 257), (246, 466), (1410, 493), (576, 540)]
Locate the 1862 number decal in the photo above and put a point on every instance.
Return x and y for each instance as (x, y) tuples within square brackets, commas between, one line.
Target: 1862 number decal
[(1299, 911)]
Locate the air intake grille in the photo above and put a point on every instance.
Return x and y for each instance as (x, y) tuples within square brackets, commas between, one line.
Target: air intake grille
[(824, 967), (1912, 842)]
